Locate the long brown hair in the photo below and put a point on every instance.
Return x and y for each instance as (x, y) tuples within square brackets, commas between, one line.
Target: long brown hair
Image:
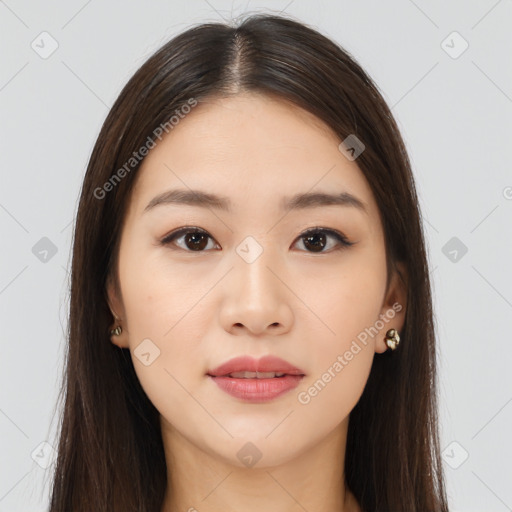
[(110, 451)]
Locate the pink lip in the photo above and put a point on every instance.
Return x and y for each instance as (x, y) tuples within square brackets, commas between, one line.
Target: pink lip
[(249, 364), (256, 390)]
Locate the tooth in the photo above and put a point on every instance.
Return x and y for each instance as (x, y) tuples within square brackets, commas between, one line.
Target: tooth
[(266, 375), (243, 375), (255, 375)]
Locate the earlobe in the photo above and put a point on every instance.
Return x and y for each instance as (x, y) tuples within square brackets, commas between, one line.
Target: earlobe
[(393, 311), (118, 335)]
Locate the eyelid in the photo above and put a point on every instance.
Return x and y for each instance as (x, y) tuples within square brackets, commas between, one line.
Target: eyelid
[(329, 231), (167, 239)]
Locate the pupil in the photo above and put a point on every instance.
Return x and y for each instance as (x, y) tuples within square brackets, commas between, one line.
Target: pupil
[(313, 239), (196, 237)]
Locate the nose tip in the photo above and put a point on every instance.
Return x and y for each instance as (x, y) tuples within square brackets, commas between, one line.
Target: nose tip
[(255, 299)]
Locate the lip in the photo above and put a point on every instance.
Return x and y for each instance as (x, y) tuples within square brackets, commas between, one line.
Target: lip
[(256, 390), (249, 364)]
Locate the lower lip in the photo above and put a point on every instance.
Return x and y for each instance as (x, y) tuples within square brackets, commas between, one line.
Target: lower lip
[(257, 390)]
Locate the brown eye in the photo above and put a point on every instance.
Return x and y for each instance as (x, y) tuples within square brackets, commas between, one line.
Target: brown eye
[(191, 239), (316, 239)]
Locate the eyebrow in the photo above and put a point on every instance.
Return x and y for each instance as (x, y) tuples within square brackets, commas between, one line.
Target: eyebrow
[(301, 201)]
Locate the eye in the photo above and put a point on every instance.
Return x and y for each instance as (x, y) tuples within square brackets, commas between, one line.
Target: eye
[(315, 240), (194, 239)]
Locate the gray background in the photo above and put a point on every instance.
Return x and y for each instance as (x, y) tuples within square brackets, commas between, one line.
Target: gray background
[(454, 110)]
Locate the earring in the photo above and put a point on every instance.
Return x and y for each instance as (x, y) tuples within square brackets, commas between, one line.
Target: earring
[(117, 331), (392, 339)]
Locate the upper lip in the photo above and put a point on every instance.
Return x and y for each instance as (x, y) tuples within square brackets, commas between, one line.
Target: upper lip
[(249, 364)]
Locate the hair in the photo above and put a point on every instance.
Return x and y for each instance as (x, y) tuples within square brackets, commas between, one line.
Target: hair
[(110, 449)]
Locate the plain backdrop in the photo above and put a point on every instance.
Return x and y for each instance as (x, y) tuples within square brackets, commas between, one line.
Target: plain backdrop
[(443, 67)]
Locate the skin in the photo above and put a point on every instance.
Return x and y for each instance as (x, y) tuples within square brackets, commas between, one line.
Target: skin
[(203, 308)]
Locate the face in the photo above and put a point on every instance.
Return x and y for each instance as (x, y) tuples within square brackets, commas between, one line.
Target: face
[(302, 281)]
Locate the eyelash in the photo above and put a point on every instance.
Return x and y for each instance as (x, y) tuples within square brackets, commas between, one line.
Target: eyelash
[(342, 240)]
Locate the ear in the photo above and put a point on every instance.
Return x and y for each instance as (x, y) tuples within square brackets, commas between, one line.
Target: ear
[(394, 306), (115, 304)]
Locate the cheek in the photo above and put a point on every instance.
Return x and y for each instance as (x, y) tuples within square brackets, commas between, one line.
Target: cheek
[(332, 392), (171, 314), (174, 328), (346, 299), (341, 360), (348, 307), (164, 321), (158, 295)]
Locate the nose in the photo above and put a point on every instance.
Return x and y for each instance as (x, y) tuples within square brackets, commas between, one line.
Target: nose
[(256, 298)]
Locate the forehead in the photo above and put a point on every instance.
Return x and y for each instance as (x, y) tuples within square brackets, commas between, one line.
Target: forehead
[(249, 147)]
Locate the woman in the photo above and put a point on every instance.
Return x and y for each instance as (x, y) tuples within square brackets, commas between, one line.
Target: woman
[(251, 321)]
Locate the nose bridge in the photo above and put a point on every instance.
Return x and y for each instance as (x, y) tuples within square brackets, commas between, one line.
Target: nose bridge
[(253, 263), (255, 297)]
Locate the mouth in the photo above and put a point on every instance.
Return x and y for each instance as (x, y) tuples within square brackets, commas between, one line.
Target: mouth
[(247, 367), (253, 375), (256, 381)]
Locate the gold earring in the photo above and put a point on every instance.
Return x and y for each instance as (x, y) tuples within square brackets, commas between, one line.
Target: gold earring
[(392, 339), (117, 331)]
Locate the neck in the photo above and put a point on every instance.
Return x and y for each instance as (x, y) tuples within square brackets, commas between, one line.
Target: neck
[(311, 480)]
